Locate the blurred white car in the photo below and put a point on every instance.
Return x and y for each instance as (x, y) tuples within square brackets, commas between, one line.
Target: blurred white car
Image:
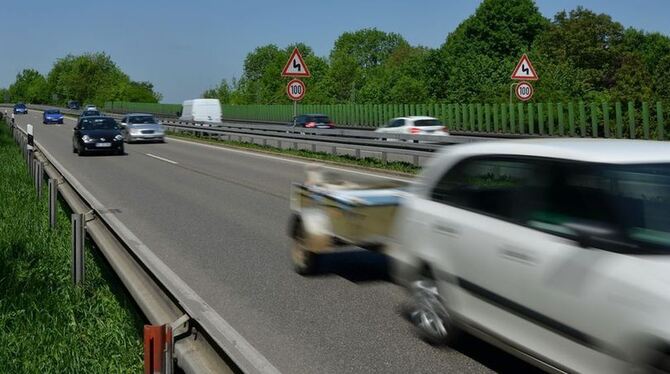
[(414, 125), (556, 250)]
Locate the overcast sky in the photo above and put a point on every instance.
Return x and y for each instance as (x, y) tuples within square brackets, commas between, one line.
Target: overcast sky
[(185, 47)]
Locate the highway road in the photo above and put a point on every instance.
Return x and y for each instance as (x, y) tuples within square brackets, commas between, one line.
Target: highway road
[(218, 218)]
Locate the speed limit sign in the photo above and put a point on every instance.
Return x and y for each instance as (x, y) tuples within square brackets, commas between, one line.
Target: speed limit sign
[(295, 89), (524, 91)]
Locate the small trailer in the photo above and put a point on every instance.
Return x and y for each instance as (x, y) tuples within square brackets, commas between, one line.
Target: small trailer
[(331, 211)]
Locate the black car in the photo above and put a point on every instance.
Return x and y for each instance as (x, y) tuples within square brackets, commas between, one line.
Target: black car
[(90, 113), (73, 104), (20, 108), (313, 121), (97, 134)]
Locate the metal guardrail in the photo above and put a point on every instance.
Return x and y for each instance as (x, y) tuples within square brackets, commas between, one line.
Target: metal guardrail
[(207, 344)]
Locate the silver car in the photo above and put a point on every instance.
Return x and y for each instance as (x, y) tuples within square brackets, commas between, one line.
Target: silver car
[(142, 127)]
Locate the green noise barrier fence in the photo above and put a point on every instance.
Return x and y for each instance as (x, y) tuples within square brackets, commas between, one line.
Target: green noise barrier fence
[(634, 120)]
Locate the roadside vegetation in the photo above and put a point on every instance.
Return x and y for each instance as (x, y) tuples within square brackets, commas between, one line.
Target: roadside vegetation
[(47, 325), (398, 167)]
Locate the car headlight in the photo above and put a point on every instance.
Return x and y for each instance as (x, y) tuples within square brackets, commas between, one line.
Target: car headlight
[(86, 139), (118, 138)]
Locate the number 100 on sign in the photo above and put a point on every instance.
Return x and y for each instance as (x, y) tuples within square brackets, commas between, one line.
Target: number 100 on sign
[(295, 89), (524, 91)]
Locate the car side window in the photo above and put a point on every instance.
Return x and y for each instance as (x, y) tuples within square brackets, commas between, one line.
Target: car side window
[(399, 123), (506, 187)]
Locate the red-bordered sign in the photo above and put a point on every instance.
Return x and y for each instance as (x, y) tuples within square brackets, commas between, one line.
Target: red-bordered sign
[(524, 91), (524, 70), (295, 89), (295, 67)]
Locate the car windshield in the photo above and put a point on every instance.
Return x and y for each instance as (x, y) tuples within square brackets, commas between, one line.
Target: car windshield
[(319, 119), (52, 111), (141, 119), (98, 124), (20, 106), (427, 122), (91, 113)]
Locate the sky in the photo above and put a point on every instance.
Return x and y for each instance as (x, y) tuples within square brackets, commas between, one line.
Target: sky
[(186, 47)]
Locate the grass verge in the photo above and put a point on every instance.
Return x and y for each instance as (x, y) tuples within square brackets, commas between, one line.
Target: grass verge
[(46, 324), (396, 167)]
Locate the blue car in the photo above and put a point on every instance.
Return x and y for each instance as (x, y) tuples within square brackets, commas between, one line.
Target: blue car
[(20, 108), (52, 116)]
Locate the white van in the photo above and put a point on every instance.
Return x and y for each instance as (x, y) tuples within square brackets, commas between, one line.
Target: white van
[(206, 110)]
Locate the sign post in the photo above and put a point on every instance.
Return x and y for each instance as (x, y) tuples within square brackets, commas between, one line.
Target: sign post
[(295, 67)]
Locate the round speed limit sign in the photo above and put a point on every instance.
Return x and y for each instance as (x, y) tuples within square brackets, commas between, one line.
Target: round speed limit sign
[(295, 89), (524, 91)]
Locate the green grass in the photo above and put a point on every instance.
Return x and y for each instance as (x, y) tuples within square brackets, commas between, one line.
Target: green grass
[(47, 325), (367, 163)]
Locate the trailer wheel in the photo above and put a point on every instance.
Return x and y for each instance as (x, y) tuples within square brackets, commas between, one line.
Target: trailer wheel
[(304, 261)]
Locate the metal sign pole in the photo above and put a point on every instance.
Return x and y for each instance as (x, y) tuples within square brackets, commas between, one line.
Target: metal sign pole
[(295, 111)]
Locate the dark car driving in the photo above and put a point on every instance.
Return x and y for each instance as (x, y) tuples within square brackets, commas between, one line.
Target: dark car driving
[(97, 134), (20, 108), (90, 113), (52, 116), (73, 104), (313, 121)]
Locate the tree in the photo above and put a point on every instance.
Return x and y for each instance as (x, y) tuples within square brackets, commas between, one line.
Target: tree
[(221, 92), (498, 29), (586, 40), (30, 86), (141, 92), (354, 57)]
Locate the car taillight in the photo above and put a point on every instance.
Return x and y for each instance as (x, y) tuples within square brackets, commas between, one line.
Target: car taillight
[(414, 130), (310, 124)]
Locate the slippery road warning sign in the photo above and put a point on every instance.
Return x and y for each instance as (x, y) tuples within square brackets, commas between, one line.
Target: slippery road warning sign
[(295, 67), (524, 70)]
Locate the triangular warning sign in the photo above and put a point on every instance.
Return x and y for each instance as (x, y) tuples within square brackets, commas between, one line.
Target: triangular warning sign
[(524, 70), (295, 67)]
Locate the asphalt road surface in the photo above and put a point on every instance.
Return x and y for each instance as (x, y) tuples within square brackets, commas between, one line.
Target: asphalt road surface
[(218, 218)]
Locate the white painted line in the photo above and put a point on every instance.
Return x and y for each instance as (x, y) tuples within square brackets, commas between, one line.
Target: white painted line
[(289, 160), (162, 159)]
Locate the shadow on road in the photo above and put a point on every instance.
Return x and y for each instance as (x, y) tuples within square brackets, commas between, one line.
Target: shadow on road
[(356, 266)]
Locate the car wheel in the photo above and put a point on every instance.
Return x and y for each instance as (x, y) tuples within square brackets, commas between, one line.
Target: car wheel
[(60, 122), (81, 151), (304, 261), (74, 148), (429, 316)]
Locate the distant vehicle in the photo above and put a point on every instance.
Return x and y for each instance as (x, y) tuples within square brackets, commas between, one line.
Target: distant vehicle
[(90, 107), (20, 108), (97, 134), (73, 104), (142, 127), (414, 125), (201, 110), (313, 121), (52, 116), (90, 113)]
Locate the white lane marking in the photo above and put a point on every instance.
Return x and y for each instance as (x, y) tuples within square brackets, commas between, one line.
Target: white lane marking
[(279, 158), (162, 159)]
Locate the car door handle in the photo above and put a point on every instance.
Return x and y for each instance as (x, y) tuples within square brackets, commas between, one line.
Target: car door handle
[(444, 229), (515, 254)]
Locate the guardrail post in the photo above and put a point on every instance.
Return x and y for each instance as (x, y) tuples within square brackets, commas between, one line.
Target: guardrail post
[(53, 198), (78, 222), (158, 352)]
